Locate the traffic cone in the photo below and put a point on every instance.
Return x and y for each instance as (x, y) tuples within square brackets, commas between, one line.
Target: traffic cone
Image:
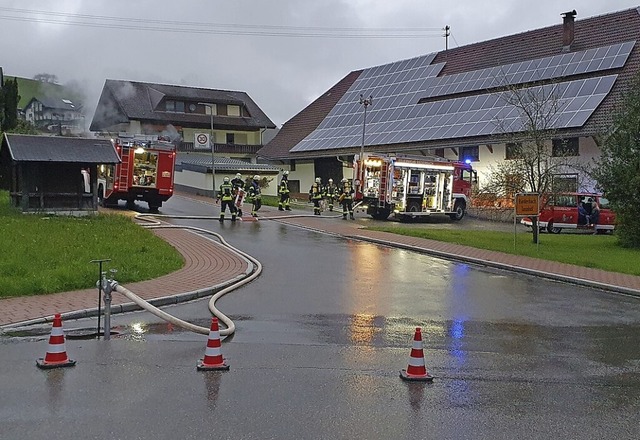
[(56, 355), (416, 371), (213, 359)]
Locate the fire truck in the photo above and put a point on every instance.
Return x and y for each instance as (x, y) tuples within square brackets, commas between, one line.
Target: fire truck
[(412, 186), (145, 173)]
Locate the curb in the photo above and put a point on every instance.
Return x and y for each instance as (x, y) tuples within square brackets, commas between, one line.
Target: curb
[(504, 266)]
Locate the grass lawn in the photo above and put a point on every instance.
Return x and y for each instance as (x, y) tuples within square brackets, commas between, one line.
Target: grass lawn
[(596, 251), (46, 254)]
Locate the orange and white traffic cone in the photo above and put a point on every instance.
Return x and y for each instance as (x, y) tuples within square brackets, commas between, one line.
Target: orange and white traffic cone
[(416, 371), (56, 355), (213, 359)]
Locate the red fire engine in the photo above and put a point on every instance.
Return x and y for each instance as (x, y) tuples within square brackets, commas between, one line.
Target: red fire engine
[(412, 186), (146, 172)]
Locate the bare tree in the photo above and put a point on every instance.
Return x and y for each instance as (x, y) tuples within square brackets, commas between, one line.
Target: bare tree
[(534, 162), (46, 78)]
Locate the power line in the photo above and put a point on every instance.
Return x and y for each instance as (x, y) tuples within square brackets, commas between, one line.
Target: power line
[(189, 27)]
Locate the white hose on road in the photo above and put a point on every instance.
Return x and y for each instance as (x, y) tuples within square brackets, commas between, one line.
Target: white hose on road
[(230, 326), (228, 323)]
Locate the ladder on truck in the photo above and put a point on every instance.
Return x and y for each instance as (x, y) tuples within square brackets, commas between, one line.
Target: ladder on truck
[(123, 176), (383, 182)]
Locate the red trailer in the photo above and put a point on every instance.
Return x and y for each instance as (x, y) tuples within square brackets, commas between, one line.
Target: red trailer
[(145, 173)]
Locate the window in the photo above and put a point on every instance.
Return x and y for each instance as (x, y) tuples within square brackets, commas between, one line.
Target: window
[(469, 153), (230, 138), (513, 150), (180, 106), (233, 110), (565, 201), (209, 107), (439, 152), (170, 106), (565, 147), (564, 183)]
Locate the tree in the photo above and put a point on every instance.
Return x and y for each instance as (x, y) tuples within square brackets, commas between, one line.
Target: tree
[(9, 99), (617, 171), (534, 162), (46, 78)]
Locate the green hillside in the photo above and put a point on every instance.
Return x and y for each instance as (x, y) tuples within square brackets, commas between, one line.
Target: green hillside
[(29, 88)]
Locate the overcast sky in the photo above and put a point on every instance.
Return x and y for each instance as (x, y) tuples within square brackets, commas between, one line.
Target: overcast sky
[(283, 53)]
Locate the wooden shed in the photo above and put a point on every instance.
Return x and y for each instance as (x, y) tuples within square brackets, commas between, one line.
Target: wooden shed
[(53, 174)]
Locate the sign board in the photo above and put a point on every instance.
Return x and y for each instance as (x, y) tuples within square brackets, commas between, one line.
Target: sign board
[(527, 204), (201, 141)]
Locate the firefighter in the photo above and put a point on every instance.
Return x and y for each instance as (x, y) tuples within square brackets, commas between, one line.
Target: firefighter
[(226, 196), (315, 195), (283, 190), (238, 192), (330, 193), (255, 195), (346, 199)]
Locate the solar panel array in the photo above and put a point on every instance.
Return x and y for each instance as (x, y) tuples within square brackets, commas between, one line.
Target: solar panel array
[(557, 66), (396, 116)]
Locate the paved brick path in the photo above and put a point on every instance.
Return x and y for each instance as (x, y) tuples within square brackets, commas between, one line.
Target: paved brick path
[(209, 264)]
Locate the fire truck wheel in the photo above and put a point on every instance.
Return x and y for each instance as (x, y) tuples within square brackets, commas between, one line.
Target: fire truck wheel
[(552, 229), (381, 214), (458, 211)]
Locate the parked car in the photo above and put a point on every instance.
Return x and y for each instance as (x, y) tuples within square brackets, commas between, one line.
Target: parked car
[(562, 211)]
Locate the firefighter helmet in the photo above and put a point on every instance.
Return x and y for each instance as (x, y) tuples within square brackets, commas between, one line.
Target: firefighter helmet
[(344, 180), (330, 180), (256, 177), (285, 173), (226, 180), (318, 180), (238, 176)]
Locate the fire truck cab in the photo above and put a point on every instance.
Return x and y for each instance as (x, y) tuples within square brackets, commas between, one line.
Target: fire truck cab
[(412, 186), (145, 173)]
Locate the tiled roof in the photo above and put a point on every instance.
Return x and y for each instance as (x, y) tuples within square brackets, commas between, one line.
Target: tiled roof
[(30, 148), (298, 127), (201, 162), (122, 101), (57, 103), (616, 27)]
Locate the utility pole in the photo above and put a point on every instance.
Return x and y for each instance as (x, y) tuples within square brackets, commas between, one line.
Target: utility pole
[(446, 37), (210, 106)]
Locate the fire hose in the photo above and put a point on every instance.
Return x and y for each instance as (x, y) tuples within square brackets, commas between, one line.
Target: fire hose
[(254, 266)]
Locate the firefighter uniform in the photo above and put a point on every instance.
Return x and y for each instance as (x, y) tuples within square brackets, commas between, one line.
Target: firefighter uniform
[(346, 199), (315, 195), (226, 197), (283, 191), (331, 193), (255, 195), (238, 185)]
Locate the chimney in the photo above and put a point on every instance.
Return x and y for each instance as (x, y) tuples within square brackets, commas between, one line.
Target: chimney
[(567, 30)]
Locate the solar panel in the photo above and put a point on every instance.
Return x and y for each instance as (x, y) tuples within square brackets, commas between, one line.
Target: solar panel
[(557, 66), (398, 87), (477, 115)]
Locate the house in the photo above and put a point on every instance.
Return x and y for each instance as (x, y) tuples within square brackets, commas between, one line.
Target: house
[(454, 103), (203, 123), (53, 174), (55, 115), (51, 107)]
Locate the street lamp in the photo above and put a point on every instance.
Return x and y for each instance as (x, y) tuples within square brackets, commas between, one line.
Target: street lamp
[(210, 106), (366, 102)]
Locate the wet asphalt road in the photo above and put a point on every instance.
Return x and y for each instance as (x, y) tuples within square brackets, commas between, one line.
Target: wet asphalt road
[(320, 338)]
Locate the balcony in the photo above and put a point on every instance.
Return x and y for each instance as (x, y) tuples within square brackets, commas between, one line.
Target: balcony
[(221, 148)]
